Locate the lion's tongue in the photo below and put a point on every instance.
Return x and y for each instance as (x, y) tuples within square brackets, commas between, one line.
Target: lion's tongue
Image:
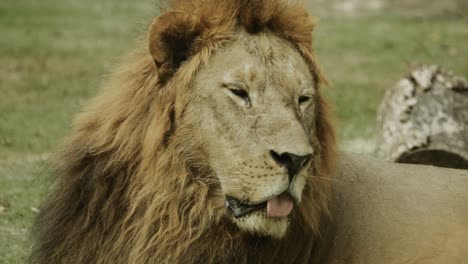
[(279, 206)]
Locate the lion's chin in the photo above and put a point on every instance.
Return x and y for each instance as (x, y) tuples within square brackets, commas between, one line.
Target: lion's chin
[(258, 223)]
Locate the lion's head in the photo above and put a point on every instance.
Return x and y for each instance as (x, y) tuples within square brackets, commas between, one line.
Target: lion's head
[(253, 108), (219, 126), (253, 113)]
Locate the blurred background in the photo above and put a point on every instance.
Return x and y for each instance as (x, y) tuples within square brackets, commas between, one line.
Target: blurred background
[(54, 55)]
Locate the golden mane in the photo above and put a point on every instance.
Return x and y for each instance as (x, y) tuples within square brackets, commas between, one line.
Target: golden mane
[(129, 189)]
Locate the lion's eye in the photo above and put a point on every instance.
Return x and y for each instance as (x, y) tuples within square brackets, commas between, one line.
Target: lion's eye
[(238, 90), (303, 99), (240, 93)]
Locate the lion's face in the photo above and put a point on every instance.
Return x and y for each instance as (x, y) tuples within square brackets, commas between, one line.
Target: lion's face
[(252, 111)]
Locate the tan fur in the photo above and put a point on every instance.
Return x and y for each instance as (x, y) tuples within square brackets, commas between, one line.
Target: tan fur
[(133, 186)]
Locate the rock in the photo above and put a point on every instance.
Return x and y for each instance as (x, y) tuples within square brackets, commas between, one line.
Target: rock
[(423, 119)]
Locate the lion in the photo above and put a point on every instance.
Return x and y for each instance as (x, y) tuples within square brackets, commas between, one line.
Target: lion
[(212, 143), (172, 153)]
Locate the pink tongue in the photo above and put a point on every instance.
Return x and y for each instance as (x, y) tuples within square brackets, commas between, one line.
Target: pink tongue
[(279, 206)]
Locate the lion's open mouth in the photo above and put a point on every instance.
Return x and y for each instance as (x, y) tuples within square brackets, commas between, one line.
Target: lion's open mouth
[(240, 209), (277, 206)]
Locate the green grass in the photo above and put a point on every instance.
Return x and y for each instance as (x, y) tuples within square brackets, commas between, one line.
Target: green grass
[(22, 184), (54, 54)]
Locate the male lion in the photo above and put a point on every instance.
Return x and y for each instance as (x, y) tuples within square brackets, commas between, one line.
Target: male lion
[(212, 144)]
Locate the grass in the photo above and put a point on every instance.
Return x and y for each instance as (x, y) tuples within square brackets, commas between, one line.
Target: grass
[(54, 54)]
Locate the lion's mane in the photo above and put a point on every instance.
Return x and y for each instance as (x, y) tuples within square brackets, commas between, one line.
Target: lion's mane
[(130, 186)]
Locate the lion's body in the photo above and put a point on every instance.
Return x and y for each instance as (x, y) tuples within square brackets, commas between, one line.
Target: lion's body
[(398, 213), (144, 175)]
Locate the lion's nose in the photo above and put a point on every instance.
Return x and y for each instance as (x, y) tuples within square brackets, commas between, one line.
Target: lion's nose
[(293, 163)]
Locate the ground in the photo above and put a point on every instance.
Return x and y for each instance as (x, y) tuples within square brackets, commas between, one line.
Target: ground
[(54, 54)]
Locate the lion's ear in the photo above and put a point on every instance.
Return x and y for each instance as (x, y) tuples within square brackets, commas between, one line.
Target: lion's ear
[(172, 36)]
